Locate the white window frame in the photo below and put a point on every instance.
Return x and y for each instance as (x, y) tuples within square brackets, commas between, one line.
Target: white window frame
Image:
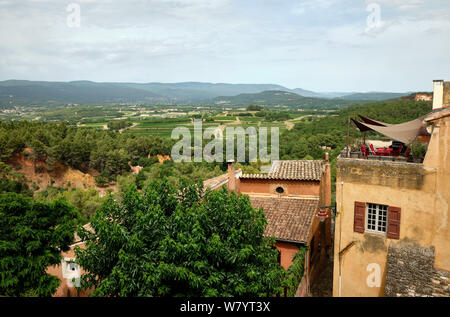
[(378, 211), (70, 274)]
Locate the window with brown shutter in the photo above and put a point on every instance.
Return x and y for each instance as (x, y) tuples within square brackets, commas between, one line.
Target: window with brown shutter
[(393, 227), (360, 216)]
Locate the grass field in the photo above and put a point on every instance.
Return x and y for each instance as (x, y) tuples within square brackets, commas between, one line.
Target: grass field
[(163, 127)]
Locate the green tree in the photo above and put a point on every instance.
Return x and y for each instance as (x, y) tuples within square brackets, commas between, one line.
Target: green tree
[(177, 241), (254, 108), (32, 236)]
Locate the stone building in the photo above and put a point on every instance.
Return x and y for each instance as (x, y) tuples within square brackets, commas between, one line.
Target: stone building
[(392, 228)]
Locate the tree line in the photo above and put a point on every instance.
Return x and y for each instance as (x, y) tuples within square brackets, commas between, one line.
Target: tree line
[(107, 152)]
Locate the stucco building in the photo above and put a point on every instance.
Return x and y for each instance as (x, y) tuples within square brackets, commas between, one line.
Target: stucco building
[(291, 195), (392, 228)]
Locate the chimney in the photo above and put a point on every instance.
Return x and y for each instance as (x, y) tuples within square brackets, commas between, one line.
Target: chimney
[(438, 94), (326, 190), (231, 176)]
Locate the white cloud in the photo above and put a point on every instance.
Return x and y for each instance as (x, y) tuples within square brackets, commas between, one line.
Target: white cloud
[(295, 43)]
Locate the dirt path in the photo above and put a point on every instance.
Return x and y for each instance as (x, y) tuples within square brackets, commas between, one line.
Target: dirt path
[(291, 123)]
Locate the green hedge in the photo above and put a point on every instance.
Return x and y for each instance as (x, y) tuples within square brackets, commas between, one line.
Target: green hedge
[(295, 273)]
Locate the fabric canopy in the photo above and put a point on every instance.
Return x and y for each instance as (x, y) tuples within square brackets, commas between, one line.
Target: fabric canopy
[(361, 126), (403, 132)]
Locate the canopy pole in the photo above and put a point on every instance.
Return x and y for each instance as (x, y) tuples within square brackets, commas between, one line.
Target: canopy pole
[(354, 131), (348, 136)]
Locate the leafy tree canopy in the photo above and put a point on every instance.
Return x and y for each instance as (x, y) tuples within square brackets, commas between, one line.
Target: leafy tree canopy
[(178, 241), (32, 236)]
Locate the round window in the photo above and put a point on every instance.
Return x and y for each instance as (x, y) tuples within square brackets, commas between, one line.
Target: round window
[(280, 190)]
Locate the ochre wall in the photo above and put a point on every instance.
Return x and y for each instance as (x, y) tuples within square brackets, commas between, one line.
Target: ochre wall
[(438, 159), (446, 94), (258, 186), (416, 225), (287, 252), (422, 191)]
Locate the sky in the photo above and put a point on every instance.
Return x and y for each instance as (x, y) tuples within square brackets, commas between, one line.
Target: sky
[(319, 45)]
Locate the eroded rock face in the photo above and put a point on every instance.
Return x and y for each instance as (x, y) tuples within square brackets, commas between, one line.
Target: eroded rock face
[(411, 273), (38, 172)]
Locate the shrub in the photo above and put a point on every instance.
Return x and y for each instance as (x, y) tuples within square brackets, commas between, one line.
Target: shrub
[(418, 150), (295, 273), (101, 181)]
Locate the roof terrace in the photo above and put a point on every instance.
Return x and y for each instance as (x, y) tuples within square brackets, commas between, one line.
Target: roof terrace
[(407, 141)]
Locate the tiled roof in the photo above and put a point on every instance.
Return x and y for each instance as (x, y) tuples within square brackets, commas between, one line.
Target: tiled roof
[(87, 227), (216, 182), (291, 170), (289, 219)]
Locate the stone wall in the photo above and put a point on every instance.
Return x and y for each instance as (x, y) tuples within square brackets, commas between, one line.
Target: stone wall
[(411, 273), (446, 93), (384, 173)]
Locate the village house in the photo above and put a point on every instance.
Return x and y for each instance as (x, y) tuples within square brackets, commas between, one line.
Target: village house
[(69, 271), (392, 227), (291, 195)]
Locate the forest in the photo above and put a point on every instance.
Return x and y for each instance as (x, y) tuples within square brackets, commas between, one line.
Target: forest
[(107, 152)]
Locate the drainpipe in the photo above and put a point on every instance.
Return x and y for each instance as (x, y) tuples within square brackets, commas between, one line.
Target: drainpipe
[(340, 236)]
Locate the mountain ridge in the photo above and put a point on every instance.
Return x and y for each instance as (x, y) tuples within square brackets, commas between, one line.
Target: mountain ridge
[(28, 92)]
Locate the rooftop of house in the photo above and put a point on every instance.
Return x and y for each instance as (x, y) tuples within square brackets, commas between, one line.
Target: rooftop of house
[(86, 227), (385, 173), (438, 114), (306, 170), (288, 219), (217, 182)]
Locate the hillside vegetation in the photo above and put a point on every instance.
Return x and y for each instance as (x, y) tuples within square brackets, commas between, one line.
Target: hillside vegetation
[(109, 153), (283, 98), (311, 134)]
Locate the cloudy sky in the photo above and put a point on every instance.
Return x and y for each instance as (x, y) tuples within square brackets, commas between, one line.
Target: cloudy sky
[(321, 45)]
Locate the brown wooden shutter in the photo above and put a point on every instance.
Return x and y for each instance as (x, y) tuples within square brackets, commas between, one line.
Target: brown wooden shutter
[(359, 224), (393, 225)]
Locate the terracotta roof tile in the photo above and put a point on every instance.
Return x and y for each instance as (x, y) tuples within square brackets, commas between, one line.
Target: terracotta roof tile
[(288, 219), (291, 170)]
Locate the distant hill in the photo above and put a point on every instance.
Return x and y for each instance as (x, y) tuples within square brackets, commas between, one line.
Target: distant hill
[(374, 96), (195, 91), (44, 93), (285, 98), (79, 92), (87, 92), (309, 93)]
